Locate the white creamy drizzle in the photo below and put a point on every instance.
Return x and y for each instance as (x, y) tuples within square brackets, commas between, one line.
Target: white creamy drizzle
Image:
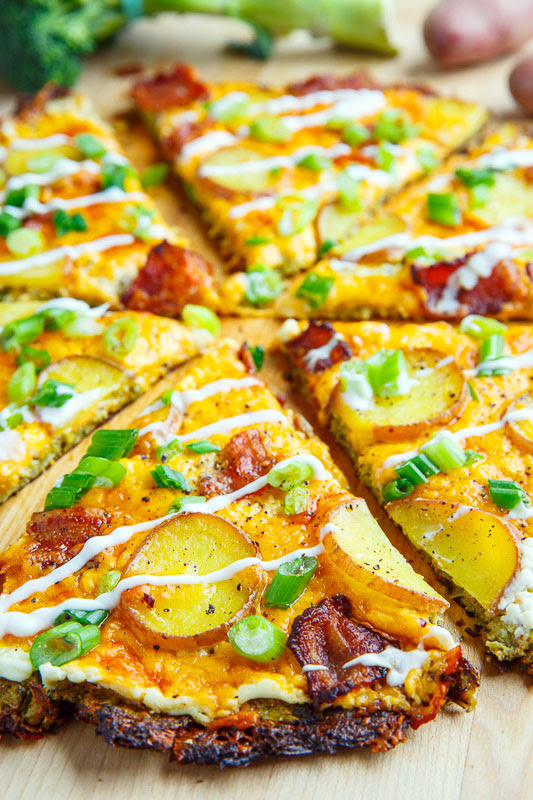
[(501, 158), (55, 140), (398, 663), (314, 668), (516, 233), (479, 265), (517, 415), (317, 354), (12, 446), (27, 624), (58, 417), (517, 599), (62, 168), (274, 162), (461, 511), (512, 362), (425, 371), (363, 270), (73, 251), (112, 195), (221, 426), (78, 306), (208, 143)]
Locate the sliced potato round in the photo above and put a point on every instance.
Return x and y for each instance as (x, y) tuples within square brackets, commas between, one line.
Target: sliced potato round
[(476, 549), (246, 179), (21, 161), (335, 222), (181, 616), (105, 387), (358, 546), (437, 398), (521, 431)]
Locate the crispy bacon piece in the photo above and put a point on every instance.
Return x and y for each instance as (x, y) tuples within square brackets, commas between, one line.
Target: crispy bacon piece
[(173, 143), (315, 336), (328, 635), (318, 83), (488, 296), (57, 536), (172, 277), (247, 359), (243, 460), (33, 105), (180, 86)]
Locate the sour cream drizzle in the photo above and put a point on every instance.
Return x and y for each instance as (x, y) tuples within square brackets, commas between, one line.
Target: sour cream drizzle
[(264, 164), (73, 251), (221, 426), (182, 400), (112, 195), (398, 663), (317, 354), (27, 624)]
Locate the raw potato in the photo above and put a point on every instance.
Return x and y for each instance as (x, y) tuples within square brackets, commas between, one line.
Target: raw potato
[(521, 83), (87, 373), (521, 432), (184, 617), (437, 398), (476, 549), (362, 550), (459, 32)]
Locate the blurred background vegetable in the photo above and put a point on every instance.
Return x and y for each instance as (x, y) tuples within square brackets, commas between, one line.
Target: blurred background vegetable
[(43, 40)]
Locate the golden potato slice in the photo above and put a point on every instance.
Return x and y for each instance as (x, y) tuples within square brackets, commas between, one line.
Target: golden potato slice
[(437, 398), (476, 549), (182, 616), (360, 548), (48, 279), (20, 161), (238, 181), (521, 431), (511, 196), (109, 386), (335, 222)]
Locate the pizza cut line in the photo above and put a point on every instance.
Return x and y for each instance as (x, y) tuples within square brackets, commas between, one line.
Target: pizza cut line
[(227, 600), (438, 421)]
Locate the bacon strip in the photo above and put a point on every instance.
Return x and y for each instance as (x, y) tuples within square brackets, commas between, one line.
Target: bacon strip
[(243, 460), (172, 277), (57, 536), (180, 86), (328, 635), (316, 335)]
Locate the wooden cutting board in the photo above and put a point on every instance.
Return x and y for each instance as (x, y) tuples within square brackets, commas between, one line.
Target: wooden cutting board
[(484, 755)]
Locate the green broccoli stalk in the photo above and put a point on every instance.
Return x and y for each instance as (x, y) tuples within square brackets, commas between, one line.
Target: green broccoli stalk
[(44, 40)]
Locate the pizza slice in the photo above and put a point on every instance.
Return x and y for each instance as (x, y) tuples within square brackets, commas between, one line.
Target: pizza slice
[(75, 221), (65, 367), (459, 242), (282, 173), (439, 423), (227, 599)]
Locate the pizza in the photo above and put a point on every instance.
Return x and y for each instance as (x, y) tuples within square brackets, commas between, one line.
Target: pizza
[(74, 220), (458, 242), (227, 599), (439, 423), (283, 173), (65, 367)]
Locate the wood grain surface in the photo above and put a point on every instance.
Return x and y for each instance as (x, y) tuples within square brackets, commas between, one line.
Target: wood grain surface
[(485, 755)]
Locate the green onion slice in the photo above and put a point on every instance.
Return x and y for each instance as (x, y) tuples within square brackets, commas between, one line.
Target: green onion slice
[(169, 478), (297, 215), (257, 639), (53, 394), (417, 469), (507, 494), (90, 146), (396, 489), (120, 337), (113, 444), (22, 383), (269, 129), (258, 354), (287, 476), (427, 158), (203, 446), (315, 162), (56, 318), (107, 473), (445, 452), (348, 189), (40, 358), (83, 617), (290, 581), (262, 286), (8, 223), (315, 289), (154, 175), (480, 327), (64, 643), (167, 451), (201, 317), (394, 125), (23, 242), (443, 208), (109, 581), (21, 331), (178, 504), (355, 134), (296, 501), (17, 197)]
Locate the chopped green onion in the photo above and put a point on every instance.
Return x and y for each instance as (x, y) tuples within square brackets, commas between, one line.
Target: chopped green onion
[(21, 331), (269, 129), (203, 446), (315, 289), (257, 639), (491, 349), (445, 452), (40, 358), (394, 125), (476, 177), (154, 175), (178, 504), (113, 444), (17, 197), (82, 326), (396, 489), (65, 223), (43, 162), (56, 318), (473, 458), (60, 497), (201, 317), (64, 643), (385, 157), (348, 189), (387, 373), (15, 419), (169, 478), (53, 394), (114, 174), (287, 476), (138, 221), (479, 327), (258, 354), (417, 469), (166, 397), (253, 240), (8, 223), (262, 287), (22, 383), (109, 581), (167, 451), (24, 242), (427, 158), (120, 337), (225, 111), (90, 146), (507, 494), (337, 123), (355, 134), (297, 215), (296, 501), (107, 473), (443, 208), (315, 162), (290, 581), (472, 391), (83, 617), (325, 247)]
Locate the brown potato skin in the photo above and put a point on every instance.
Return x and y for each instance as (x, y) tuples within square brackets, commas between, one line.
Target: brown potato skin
[(512, 429), (521, 83), (459, 32)]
